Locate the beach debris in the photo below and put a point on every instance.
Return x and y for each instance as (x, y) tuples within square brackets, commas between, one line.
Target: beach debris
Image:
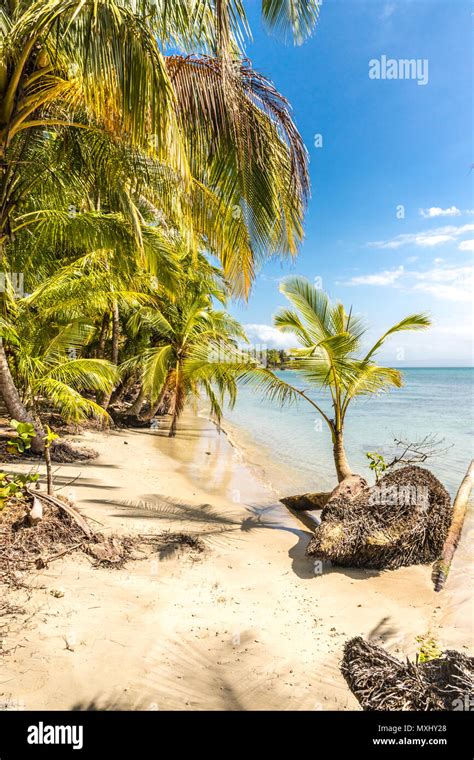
[(417, 452), (169, 543), (442, 565), (307, 501), (8, 613), (110, 552), (402, 520), (380, 681), (35, 515), (64, 452), (63, 530), (24, 546), (60, 504), (42, 562)]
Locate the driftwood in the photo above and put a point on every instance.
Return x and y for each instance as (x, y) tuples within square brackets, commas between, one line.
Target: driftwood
[(443, 564), (402, 520), (380, 681), (73, 513)]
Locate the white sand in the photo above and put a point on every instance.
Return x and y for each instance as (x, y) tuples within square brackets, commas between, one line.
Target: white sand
[(246, 625)]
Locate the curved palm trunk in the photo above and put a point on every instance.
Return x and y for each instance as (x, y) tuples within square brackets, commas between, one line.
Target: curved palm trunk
[(135, 409), (173, 426), (340, 460), (442, 566), (161, 404), (15, 407), (177, 401)]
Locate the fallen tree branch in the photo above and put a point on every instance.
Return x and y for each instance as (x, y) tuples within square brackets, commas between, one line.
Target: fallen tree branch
[(40, 562)]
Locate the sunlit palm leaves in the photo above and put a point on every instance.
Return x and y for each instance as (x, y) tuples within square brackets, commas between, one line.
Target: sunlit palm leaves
[(292, 19), (110, 147), (331, 342), (182, 329), (48, 366)]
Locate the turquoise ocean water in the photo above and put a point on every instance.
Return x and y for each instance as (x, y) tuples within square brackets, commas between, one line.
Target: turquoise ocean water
[(292, 450)]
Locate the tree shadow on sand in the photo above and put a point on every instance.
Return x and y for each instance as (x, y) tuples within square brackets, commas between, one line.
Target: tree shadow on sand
[(208, 523)]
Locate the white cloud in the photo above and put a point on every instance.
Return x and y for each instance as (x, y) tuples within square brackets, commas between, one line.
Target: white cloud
[(429, 240), (434, 237), (269, 336), (388, 277), (429, 213), (443, 282), (466, 245), (447, 283), (444, 292), (387, 11), (453, 331)]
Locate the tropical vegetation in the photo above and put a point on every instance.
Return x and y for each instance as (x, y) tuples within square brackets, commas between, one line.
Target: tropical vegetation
[(124, 168), (332, 356)]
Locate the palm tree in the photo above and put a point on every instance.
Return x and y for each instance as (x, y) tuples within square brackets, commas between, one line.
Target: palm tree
[(62, 74), (48, 365), (182, 327), (330, 357)]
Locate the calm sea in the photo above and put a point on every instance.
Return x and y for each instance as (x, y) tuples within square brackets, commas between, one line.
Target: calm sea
[(292, 449)]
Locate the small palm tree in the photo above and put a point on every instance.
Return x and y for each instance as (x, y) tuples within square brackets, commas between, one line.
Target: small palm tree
[(180, 329), (330, 356)]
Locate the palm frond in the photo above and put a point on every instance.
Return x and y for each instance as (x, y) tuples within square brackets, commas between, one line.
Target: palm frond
[(412, 322), (291, 19)]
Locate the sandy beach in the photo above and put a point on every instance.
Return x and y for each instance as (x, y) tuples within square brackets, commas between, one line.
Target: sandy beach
[(245, 625)]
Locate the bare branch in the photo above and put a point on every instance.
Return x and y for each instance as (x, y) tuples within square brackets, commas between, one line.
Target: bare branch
[(415, 452)]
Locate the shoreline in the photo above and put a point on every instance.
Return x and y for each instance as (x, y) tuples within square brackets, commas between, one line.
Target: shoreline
[(234, 434), (246, 625)]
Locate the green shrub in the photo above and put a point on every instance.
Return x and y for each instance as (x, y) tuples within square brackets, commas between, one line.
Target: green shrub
[(25, 432), (13, 485)]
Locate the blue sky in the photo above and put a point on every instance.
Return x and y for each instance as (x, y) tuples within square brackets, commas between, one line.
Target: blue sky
[(386, 144)]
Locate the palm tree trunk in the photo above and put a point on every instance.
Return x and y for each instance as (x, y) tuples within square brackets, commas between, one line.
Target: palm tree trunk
[(15, 407), (115, 333), (115, 347), (442, 566), (102, 336), (159, 403), (177, 401), (174, 425), (123, 389), (135, 409), (340, 460)]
